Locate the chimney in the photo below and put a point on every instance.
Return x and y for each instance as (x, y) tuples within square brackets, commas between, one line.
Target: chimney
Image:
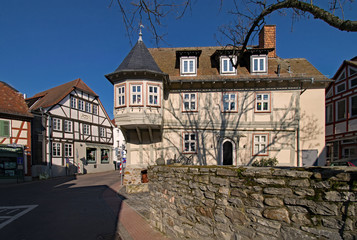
[(267, 39)]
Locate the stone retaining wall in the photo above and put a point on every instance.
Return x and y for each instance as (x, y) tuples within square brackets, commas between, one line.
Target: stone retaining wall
[(254, 203)]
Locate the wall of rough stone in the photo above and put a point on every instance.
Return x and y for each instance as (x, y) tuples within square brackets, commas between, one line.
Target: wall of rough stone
[(205, 202)]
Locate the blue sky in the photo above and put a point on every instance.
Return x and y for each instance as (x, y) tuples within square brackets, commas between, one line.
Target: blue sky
[(47, 43)]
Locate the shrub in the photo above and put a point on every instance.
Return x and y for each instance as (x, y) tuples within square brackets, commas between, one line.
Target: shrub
[(265, 162)]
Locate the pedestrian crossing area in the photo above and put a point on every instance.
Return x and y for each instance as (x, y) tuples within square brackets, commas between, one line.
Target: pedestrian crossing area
[(11, 213)]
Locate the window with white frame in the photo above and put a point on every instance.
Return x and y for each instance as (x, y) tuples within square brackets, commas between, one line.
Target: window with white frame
[(4, 128), (259, 64), (341, 110), (227, 65), (189, 142), (153, 95), (80, 105), (56, 149), (262, 102), (136, 95), (229, 102), (121, 95), (57, 124), (329, 113), (353, 106), (68, 150), (95, 109), (353, 82), (86, 129), (188, 66), (340, 88), (189, 102), (88, 107), (73, 102), (260, 144), (102, 132), (67, 126)]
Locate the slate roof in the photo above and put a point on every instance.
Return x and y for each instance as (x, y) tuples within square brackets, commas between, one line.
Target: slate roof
[(54, 95), (12, 101)]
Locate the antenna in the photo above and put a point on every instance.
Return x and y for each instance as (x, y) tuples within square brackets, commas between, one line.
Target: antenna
[(140, 33)]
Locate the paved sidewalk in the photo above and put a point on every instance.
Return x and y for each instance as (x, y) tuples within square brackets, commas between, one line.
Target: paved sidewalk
[(131, 225)]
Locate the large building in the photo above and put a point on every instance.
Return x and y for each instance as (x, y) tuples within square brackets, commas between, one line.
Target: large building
[(71, 131), (15, 133), (194, 102), (341, 113)]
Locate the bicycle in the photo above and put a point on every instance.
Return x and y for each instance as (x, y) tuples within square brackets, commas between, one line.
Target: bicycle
[(182, 159)]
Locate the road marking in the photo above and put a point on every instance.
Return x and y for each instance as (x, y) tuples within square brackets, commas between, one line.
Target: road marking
[(11, 213)]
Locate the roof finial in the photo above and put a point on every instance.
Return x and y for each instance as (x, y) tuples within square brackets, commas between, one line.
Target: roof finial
[(140, 33)]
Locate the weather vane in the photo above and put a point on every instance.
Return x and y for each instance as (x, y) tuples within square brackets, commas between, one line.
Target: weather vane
[(140, 33)]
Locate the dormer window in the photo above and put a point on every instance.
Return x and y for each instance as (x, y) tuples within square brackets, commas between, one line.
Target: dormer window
[(227, 65), (259, 64), (188, 66)]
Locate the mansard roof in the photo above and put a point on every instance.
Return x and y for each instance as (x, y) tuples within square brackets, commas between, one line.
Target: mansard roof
[(12, 102), (54, 95)]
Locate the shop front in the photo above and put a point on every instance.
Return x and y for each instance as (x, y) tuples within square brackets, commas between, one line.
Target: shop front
[(12, 161)]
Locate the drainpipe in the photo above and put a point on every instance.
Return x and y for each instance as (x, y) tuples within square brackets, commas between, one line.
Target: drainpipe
[(49, 124), (298, 131)]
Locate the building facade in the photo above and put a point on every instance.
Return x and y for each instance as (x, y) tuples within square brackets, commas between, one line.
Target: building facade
[(199, 103), (71, 131), (15, 133), (341, 113)]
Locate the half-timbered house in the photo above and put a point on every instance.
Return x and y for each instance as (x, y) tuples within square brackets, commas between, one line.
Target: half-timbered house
[(15, 133), (72, 133), (341, 113)]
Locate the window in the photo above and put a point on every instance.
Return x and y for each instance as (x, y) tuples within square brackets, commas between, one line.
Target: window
[(353, 106), (80, 105), (189, 142), (56, 124), (56, 149), (229, 102), (88, 107), (104, 153), (4, 128), (227, 66), (154, 95), (189, 102), (95, 109), (102, 132), (68, 150), (73, 102), (340, 88), (262, 101), (329, 113), (349, 152), (353, 82), (341, 110), (136, 95), (258, 64), (86, 130), (121, 96), (188, 65), (91, 155), (260, 144), (67, 126)]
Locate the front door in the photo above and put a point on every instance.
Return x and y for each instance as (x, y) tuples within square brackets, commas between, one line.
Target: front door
[(227, 153)]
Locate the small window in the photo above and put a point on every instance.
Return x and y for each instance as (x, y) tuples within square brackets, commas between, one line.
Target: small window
[(229, 102), (68, 150), (56, 149), (352, 71), (102, 132), (88, 107), (259, 64), (73, 102), (95, 109), (260, 144), (121, 95), (353, 106), (329, 113), (262, 102), (227, 65), (353, 82), (104, 153), (153, 95), (188, 66), (136, 95), (189, 102), (4, 128), (340, 88), (189, 143), (91, 155), (80, 105), (67, 126), (341, 110), (57, 124), (86, 129)]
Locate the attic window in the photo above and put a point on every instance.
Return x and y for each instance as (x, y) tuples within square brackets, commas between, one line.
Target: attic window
[(227, 65), (188, 66), (258, 64)]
